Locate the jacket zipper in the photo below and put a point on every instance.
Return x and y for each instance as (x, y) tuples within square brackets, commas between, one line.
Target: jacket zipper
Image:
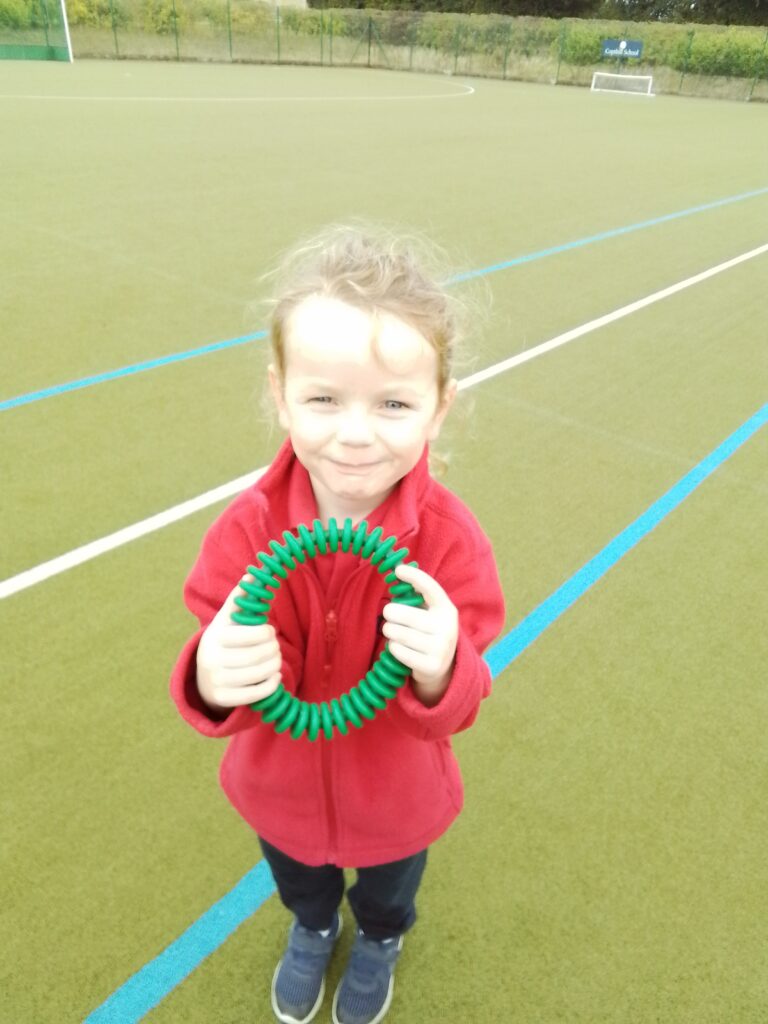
[(326, 748), (331, 633)]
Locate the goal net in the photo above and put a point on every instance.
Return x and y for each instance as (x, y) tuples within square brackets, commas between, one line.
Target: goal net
[(638, 85), (35, 30)]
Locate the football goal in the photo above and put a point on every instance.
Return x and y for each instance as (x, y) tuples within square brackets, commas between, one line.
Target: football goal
[(637, 85), (39, 30)]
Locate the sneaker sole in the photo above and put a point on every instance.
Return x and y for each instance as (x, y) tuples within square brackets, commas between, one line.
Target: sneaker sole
[(286, 1018), (384, 1009)]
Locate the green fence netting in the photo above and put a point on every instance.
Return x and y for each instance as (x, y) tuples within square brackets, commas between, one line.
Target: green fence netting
[(32, 30)]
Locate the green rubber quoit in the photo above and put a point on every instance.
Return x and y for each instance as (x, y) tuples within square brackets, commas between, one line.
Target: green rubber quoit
[(386, 675)]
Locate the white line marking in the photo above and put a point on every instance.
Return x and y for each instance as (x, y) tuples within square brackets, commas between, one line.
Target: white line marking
[(46, 570), (29, 577), (467, 90), (603, 321)]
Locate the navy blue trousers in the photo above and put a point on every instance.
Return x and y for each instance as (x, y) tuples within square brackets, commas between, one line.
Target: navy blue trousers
[(383, 899)]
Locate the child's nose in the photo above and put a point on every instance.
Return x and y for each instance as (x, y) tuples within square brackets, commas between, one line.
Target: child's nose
[(354, 427)]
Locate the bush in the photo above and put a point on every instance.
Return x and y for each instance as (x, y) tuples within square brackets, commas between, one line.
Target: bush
[(534, 36), (582, 45), (437, 32), (247, 18), (159, 16), (96, 13), (724, 54), (14, 14), (20, 14), (306, 23)]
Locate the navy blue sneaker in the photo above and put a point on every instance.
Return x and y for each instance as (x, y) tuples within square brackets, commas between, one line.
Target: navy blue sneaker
[(365, 991), (298, 985)]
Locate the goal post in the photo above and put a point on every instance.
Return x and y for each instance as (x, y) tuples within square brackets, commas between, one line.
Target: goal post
[(65, 23), (636, 85), (39, 30)]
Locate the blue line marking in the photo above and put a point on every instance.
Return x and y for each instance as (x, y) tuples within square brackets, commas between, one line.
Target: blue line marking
[(127, 371), (159, 977), (152, 364), (155, 980), (533, 625), (603, 235)]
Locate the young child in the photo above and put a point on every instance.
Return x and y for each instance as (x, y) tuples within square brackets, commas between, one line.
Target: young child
[(362, 341)]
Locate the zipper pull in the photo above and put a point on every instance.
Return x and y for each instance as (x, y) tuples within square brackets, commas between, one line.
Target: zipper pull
[(331, 623)]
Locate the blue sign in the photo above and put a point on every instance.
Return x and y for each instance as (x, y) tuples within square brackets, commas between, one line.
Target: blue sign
[(622, 48)]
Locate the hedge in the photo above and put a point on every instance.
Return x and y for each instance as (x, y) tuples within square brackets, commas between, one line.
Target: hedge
[(711, 50)]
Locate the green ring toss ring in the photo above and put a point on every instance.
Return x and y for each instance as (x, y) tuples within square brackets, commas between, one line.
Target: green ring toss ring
[(384, 678)]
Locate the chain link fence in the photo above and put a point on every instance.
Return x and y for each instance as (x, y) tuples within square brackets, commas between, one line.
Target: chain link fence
[(710, 60)]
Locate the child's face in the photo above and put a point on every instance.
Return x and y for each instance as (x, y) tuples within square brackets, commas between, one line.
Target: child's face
[(359, 411)]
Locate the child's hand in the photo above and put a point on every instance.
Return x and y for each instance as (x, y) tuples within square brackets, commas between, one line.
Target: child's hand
[(237, 664), (424, 638)]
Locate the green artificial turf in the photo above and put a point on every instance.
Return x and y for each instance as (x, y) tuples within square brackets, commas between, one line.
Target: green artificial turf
[(609, 865)]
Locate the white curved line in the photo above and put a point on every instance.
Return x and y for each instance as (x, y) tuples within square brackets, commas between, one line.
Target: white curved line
[(467, 90)]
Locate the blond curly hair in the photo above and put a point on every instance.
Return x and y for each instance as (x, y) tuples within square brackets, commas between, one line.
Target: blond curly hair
[(377, 271)]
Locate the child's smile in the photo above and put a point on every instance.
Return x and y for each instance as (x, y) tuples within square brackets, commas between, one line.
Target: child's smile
[(363, 337), (360, 400)]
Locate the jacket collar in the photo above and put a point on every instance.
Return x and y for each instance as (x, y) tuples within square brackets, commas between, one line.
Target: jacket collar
[(290, 499)]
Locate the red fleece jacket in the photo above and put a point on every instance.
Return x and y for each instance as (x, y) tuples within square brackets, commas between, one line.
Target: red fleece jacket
[(387, 790)]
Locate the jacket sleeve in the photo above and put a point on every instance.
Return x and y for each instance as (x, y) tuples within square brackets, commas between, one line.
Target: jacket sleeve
[(212, 578), (479, 599)]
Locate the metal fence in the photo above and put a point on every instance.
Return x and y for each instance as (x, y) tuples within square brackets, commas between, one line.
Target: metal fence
[(703, 60)]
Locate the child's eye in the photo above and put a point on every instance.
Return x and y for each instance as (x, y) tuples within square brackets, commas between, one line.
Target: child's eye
[(394, 406), (321, 399)]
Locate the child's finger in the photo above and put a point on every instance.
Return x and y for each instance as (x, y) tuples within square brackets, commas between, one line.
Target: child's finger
[(230, 604), (235, 635), (416, 661), (414, 639), (407, 615), (242, 657), (247, 675), (423, 583), (237, 696)]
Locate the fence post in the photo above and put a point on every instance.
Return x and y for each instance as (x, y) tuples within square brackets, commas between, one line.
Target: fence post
[(277, 30), (456, 44), (759, 68), (176, 29), (380, 45), (370, 36), (322, 38), (507, 48), (114, 27), (229, 27), (686, 58), (330, 41), (560, 49)]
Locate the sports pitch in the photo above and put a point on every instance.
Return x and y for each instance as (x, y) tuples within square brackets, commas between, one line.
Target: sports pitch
[(609, 867)]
